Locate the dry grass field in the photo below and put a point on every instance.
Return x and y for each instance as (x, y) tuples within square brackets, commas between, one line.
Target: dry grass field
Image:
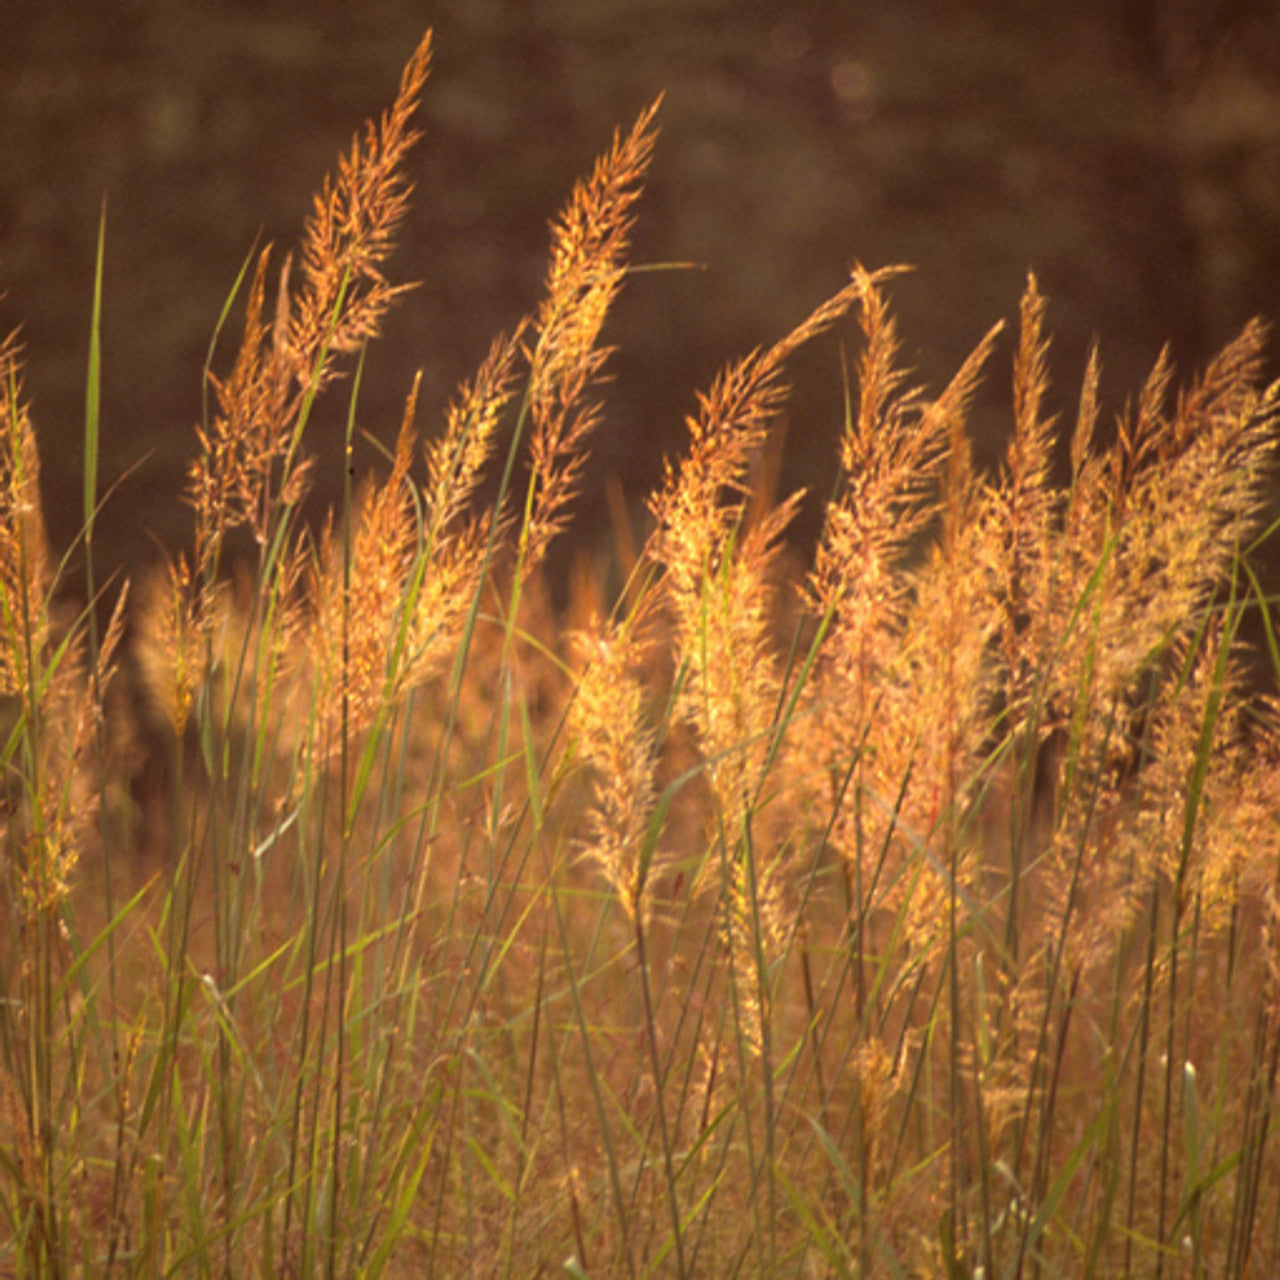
[(902, 906)]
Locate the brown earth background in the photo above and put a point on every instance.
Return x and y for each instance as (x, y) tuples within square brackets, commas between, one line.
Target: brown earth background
[(1126, 150)]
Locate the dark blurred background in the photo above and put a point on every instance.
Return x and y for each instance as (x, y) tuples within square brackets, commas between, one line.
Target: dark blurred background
[(1126, 150)]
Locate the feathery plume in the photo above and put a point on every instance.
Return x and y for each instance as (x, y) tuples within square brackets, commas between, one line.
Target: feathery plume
[(456, 459), (902, 685), (25, 571), (358, 597), (172, 642), (608, 719), (588, 263), (1025, 505), (43, 670), (248, 462), (344, 293), (717, 573), (229, 480)]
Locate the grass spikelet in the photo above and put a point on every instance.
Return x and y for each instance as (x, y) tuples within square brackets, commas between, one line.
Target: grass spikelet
[(249, 466), (53, 710), (1086, 424), (699, 501), (1179, 519), (717, 582), (40, 671), (942, 679), (1195, 827)]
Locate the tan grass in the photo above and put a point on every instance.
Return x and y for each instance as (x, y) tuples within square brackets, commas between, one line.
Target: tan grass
[(913, 912)]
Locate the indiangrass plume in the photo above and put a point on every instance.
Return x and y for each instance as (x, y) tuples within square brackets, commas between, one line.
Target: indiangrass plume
[(54, 706), (43, 673), (716, 577), (344, 292), (249, 464), (903, 681), (588, 265), (901, 905), (610, 717), (715, 566)]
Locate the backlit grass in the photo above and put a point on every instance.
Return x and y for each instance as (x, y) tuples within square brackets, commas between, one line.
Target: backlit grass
[(910, 912)]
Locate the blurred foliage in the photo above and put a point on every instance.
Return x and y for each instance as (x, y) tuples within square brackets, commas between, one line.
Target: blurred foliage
[(1126, 150)]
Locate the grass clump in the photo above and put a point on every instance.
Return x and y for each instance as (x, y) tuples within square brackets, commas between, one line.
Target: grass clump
[(911, 914)]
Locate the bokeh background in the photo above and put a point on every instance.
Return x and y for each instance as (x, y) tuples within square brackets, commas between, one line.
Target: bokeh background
[(1126, 150)]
